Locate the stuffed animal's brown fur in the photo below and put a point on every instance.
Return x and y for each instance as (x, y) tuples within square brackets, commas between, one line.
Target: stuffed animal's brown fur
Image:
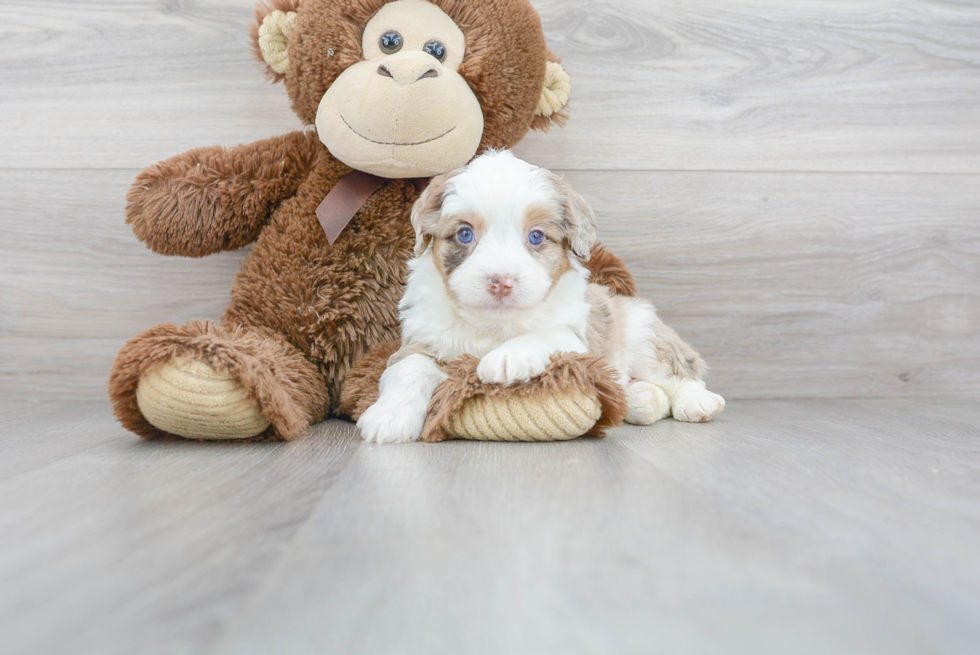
[(303, 312)]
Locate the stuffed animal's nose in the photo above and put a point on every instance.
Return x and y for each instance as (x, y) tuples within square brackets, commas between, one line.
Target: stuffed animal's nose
[(408, 67), (500, 286)]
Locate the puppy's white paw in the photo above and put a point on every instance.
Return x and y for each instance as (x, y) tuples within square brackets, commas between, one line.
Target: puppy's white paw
[(391, 423), (512, 364), (647, 402), (695, 404)]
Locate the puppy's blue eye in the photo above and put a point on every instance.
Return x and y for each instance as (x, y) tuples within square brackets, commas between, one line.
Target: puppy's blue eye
[(536, 237), (465, 235)]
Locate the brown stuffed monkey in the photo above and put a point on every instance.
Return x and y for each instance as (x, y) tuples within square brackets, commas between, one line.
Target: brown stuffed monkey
[(393, 92)]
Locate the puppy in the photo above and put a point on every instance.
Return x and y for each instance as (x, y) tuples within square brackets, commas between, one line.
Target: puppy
[(499, 274)]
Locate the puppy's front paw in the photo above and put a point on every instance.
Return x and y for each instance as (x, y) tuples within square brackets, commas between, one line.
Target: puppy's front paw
[(390, 423), (695, 404), (512, 364)]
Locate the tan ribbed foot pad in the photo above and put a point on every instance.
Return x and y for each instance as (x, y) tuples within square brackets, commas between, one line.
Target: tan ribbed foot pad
[(192, 400), (515, 418)]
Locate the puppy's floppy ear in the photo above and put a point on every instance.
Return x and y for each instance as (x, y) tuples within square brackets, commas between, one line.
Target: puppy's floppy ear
[(427, 211), (582, 229)]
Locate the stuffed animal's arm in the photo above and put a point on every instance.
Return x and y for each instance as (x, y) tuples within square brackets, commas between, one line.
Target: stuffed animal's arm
[(213, 199)]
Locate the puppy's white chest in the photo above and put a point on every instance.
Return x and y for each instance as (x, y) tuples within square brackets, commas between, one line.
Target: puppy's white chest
[(468, 340)]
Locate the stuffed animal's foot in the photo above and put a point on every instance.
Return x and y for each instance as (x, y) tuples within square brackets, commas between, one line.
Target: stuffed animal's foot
[(192, 400), (693, 403), (648, 403), (203, 381)]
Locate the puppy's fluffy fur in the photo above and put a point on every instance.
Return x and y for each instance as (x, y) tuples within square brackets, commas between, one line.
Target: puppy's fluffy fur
[(498, 274)]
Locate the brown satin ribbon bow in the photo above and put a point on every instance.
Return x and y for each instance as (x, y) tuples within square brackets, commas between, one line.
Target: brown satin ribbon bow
[(347, 197)]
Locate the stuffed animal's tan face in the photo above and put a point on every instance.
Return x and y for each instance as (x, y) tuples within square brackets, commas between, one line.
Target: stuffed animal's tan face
[(413, 88), (404, 111)]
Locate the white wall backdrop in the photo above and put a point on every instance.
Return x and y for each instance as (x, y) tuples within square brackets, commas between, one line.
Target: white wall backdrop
[(795, 184)]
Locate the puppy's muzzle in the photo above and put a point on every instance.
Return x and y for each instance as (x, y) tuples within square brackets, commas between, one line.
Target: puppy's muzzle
[(500, 286)]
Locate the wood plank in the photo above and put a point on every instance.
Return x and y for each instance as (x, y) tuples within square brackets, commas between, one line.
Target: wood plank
[(146, 547), (753, 85), (803, 527), (785, 526), (822, 85), (29, 440), (805, 285), (124, 83), (75, 283), (791, 285)]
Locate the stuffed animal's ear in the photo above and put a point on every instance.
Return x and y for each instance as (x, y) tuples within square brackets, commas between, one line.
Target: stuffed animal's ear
[(275, 22), (557, 89)]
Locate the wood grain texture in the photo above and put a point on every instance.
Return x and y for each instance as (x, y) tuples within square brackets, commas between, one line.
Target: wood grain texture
[(804, 285), (124, 83), (27, 443), (130, 546), (783, 527), (75, 283), (754, 85), (791, 285), (880, 85)]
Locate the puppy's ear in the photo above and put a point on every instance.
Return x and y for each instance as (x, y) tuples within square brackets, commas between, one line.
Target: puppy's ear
[(428, 210), (582, 230)]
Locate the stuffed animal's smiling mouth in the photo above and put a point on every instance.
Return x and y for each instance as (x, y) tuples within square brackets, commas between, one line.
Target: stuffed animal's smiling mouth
[(395, 143)]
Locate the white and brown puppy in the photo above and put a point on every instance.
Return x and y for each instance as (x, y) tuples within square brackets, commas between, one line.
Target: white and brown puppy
[(498, 275)]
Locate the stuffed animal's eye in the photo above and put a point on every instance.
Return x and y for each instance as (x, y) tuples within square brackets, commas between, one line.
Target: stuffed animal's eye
[(391, 42), (436, 49), (465, 235), (536, 238)]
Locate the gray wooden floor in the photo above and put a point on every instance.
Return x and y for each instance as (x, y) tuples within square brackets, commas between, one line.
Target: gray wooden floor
[(821, 526)]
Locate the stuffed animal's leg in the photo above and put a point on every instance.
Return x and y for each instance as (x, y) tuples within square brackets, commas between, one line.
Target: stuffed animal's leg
[(405, 392), (202, 381)]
